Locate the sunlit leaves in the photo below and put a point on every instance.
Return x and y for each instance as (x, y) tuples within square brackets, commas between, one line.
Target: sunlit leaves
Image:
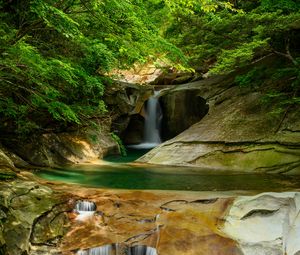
[(232, 59), (55, 18)]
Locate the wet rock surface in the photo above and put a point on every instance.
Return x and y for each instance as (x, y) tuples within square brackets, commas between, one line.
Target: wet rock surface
[(41, 218), (32, 218), (170, 222)]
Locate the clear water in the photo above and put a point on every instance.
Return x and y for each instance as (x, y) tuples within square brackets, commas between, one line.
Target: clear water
[(124, 176), (132, 155)]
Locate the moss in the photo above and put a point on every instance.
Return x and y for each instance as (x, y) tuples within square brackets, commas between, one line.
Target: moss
[(252, 158), (6, 174)]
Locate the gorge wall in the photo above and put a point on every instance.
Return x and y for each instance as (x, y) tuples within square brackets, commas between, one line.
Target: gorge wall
[(238, 133)]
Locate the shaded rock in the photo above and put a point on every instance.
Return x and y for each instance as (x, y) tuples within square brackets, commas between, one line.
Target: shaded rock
[(7, 168), (180, 111), (125, 100), (173, 78), (64, 148), (135, 130), (5, 161), (16, 160)]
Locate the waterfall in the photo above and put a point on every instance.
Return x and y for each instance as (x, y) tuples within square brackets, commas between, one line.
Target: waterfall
[(85, 209), (153, 120), (109, 249), (85, 206), (142, 250), (112, 249)]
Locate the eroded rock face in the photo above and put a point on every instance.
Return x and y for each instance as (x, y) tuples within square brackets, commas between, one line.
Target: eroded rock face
[(32, 218), (191, 223), (7, 168), (65, 148), (169, 222), (266, 224), (39, 219), (238, 133)]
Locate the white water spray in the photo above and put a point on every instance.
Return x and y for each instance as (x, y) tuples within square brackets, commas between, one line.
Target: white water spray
[(153, 120)]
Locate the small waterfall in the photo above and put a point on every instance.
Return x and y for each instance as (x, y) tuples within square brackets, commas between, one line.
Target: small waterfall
[(112, 249), (142, 250), (85, 206), (152, 127), (85, 209)]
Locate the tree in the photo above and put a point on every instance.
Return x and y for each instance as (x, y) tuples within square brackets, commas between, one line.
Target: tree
[(54, 55)]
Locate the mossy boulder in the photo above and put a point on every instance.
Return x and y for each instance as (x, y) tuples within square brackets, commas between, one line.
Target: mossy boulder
[(32, 217), (7, 168)]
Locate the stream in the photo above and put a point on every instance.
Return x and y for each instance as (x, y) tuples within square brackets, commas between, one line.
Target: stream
[(117, 173)]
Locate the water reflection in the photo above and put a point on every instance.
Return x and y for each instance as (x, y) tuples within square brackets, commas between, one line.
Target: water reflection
[(122, 176)]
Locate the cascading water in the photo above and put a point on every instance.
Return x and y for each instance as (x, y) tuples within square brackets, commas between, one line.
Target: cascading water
[(153, 120), (85, 206), (142, 250), (85, 209), (112, 249)]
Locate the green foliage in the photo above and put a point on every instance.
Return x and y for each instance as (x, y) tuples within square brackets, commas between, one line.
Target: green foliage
[(229, 37), (54, 55), (253, 78), (118, 140), (226, 39), (229, 60)]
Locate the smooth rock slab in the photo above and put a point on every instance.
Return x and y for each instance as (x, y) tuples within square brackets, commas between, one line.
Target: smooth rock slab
[(265, 224), (170, 222)]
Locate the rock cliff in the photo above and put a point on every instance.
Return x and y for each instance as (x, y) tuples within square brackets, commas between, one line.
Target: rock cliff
[(238, 133)]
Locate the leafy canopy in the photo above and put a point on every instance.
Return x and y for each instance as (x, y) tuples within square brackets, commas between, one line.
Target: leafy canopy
[(54, 55)]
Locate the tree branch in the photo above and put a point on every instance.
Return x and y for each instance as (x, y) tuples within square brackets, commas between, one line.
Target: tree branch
[(288, 54)]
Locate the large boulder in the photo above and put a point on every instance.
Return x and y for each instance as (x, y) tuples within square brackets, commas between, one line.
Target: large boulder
[(124, 101), (32, 218), (268, 223), (238, 133)]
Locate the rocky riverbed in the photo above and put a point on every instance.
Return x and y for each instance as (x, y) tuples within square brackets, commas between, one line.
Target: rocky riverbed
[(39, 217)]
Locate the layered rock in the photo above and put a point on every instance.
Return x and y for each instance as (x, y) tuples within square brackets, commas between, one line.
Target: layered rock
[(189, 223), (170, 223), (38, 218), (32, 218), (7, 168), (126, 104), (238, 133)]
